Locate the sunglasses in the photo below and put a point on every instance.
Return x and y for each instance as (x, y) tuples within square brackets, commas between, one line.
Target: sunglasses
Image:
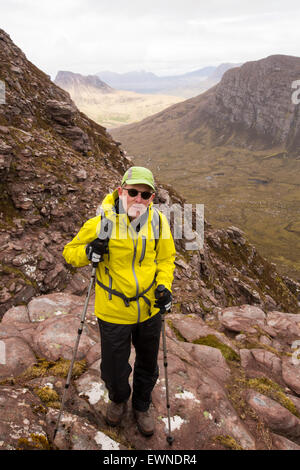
[(134, 192)]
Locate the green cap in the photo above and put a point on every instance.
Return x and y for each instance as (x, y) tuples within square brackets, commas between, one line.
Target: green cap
[(139, 175)]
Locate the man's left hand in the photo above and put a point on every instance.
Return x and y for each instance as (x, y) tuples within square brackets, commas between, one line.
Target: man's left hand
[(163, 298)]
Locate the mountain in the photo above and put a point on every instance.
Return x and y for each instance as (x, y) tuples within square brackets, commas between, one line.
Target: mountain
[(76, 82), (107, 106), (55, 166), (184, 85), (234, 321), (235, 148)]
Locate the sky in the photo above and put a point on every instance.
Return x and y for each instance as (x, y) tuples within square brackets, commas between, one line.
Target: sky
[(165, 37)]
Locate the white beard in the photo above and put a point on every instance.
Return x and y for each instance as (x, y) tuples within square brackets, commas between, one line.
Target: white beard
[(136, 210)]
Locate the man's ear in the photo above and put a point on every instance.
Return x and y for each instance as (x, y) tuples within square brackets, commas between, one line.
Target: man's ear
[(119, 190)]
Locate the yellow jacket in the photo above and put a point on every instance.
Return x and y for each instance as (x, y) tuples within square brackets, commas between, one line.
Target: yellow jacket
[(131, 265)]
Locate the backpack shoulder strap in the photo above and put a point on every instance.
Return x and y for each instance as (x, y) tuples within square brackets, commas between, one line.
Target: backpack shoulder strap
[(156, 224)]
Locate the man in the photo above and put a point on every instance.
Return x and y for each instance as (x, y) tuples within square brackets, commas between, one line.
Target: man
[(133, 289)]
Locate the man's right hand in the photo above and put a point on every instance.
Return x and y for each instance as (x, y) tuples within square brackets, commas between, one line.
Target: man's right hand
[(96, 249)]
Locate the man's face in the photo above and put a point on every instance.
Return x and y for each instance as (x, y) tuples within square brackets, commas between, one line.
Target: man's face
[(135, 206)]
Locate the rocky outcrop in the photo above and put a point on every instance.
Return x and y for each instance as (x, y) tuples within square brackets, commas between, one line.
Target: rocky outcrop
[(55, 167), (217, 401), (247, 98)]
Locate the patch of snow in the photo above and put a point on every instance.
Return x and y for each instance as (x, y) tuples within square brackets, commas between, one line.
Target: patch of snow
[(176, 422), (186, 395), (95, 392)]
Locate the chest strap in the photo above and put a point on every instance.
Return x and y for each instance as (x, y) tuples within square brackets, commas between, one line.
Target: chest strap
[(126, 299)]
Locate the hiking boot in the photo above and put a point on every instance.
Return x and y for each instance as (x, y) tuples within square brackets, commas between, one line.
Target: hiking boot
[(145, 422), (115, 412)]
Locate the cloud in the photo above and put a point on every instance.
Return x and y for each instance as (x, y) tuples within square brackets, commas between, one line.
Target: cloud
[(88, 36)]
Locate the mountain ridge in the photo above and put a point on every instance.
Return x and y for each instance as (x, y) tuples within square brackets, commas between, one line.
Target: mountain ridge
[(234, 148), (186, 85)]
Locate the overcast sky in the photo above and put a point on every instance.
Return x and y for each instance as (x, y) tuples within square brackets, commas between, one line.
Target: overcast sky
[(162, 36)]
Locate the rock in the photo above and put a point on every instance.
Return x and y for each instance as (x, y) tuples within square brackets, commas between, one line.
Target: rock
[(55, 338), (286, 325), (278, 418), (21, 421), (211, 359), (16, 356), (259, 362), (291, 374), (45, 306), (61, 112), (77, 434), (281, 443), (91, 386), (193, 328), (242, 318)]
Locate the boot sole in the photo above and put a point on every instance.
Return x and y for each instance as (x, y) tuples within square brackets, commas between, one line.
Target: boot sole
[(145, 433)]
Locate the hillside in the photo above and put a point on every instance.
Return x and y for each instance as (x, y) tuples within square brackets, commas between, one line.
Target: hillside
[(107, 106), (235, 148)]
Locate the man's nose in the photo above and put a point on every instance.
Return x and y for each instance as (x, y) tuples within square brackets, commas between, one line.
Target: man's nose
[(139, 197)]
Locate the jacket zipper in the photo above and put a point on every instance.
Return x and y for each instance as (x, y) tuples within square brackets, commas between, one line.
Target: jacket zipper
[(136, 279), (143, 249)]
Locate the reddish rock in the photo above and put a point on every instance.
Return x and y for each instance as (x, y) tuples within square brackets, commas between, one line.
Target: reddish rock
[(282, 443), (16, 355), (242, 318), (291, 373), (278, 418), (21, 420), (56, 337), (46, 306), (19, 314), (259, 362)]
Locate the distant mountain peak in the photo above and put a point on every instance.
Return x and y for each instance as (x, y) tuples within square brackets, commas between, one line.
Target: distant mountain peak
[(65, 79)]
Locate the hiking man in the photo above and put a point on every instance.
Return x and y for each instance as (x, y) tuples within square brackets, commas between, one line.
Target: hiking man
[(138, 258)]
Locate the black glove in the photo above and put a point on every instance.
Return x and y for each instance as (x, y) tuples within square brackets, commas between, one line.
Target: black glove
[(163, 298), (96, 249)]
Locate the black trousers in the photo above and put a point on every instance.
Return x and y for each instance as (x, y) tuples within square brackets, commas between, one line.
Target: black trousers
[(115, 369)]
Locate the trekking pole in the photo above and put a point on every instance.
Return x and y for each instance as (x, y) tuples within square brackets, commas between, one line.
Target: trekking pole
[(76, 347), (95, 260), (170, 438)]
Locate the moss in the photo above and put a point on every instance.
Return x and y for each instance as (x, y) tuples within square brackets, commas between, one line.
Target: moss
[(48, 396), (34, 441), (211, 340), (228, 441), (177, 333), (267, 387)]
